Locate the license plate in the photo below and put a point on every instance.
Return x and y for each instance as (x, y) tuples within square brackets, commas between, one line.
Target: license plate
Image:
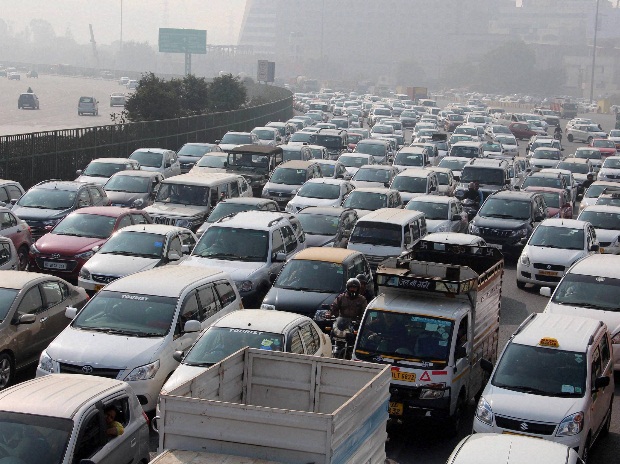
[(403, 376), (494, 245), (395, 409), (548, 273), (601, 250), (98, 287), (52, 265)]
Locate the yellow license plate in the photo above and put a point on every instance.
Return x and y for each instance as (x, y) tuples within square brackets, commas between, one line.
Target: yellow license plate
[(98, 287), (548, 273), (403, 376), (395, 409), (601, 250)]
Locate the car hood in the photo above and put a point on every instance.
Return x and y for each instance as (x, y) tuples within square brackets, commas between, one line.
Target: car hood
[(228, 146), (318, 240), (177, 210), (284, 188), (539, 254), (93, 179), (365, 183), (96, 349), (433, 224), (297, 301), (38, 214), (498, 223), (181, 374), (238, 270), (530, 407), (109, 264), (126, 198), (302, 202), (610, 318), (66, 245), (606, 235)]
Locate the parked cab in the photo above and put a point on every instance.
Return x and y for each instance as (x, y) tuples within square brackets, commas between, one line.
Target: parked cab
[(151, 314), (554, 380)]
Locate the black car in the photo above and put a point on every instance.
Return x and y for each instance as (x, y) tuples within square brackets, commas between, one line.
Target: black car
[(190, 153), (28, 100), (48, 202), (255, 163), (507, 218), (327, 226)]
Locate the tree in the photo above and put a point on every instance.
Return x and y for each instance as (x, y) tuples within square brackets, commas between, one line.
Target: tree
[(226, 93), (154, 99), (194, 93)]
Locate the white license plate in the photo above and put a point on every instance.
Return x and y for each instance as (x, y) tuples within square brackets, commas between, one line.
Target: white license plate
[(494, 245), (52, 265)]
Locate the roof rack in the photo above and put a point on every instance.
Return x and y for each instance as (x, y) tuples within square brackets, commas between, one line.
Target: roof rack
[(48, 180)]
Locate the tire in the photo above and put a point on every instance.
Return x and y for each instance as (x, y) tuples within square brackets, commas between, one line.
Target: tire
[(23, 257), (453, 424), (586, 449), (570, 137), (7, 370), (520, 284)]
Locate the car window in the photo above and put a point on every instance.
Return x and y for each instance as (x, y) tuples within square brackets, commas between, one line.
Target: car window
[(309, 339), (83, 198), (52, 293), (4, 196), (243, 185), (14, 192), (225, 292), (208, 301), (139, 219), (31, 302), (96, 195), (90, 439), (605, 353), (277, 244), (294, 341), (5, 253), (175, 245), (234, 189), (290, 242), (124, 221), (597, 368), (190, 311), (7, 220)]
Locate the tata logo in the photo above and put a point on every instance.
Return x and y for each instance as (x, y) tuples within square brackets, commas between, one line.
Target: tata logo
[(55, 255), (523, 426), (87, 369)]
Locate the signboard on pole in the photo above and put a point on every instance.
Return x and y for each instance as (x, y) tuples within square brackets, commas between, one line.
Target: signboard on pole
[(271, 71), (182, 41), (263, 71)]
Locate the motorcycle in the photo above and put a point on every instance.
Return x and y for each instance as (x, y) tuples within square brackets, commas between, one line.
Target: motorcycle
[(471, 207), (343, 335)]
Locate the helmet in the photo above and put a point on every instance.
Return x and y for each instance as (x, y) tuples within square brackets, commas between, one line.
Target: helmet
[(362, 278), (472, 185), (353, 287)]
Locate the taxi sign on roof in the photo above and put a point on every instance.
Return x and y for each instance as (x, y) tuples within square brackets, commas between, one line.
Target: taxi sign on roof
[(549, 342)]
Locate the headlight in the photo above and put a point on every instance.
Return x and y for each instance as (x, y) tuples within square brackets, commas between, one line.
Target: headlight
[(187, 223), (442, 228), (85, 274), (51, 222), (484, 413), (571, 425), (522, 232), (33, 249), (46, 363), (268, 307), (615, 340), (525, 259), (431, 393), (265, 193), (474, 229), (138, 203), (294, 192), (85, 255), (145, 372), (244, 286)]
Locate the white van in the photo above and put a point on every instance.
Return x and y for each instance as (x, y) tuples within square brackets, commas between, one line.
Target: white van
[(414, 182), (387, 232), (492, 448), (132, 327), (554, 380)]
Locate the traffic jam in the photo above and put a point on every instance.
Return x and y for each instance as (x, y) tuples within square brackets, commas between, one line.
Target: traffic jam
[(364, 233)]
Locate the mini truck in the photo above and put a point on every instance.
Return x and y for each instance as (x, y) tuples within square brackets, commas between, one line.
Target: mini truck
[(435, 317)]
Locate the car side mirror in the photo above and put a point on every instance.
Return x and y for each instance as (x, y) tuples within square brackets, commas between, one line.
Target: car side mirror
[(178, 356), (217, 141), (192, 326), (78, 172), (346, 233), (70, 312), (26, 319), (594, 247), (517, 187), (96, 248), (460, 352), (545, 291), (225, 164), (507, 181), (386, 184), (486, 365), (600, 382), (168, 164), (173, 255), (279, 257), (580, 197), (13, 201)]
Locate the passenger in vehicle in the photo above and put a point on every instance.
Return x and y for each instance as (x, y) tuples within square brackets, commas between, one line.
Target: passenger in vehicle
[(114, 428)]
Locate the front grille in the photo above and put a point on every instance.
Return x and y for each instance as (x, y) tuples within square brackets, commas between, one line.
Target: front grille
[(374, 261), (88, 370), (544, 278), (549, 267), (518, 425), (70, 264), (527, 275), (37, 232), (104, 279), (604, 244), (164, 220)]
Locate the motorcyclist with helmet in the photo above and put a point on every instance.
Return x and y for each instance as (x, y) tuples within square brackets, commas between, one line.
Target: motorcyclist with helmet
[(350, 304), (473, 193)]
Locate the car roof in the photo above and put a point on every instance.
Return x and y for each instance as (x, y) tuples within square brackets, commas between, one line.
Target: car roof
[(112, 160), (137, 173), (567, 223), (200, 177), (381, 167), (572, 332), (390, 216), (297, 164), (324, 210), (455, 238), (418, 149), (375, 190), (151, 150), (330, 255), (467, 143), (415, 172), (439, 169), (248, 201), (514, 195), (257, 220), (434, 199), (373, 141), (167, 281), (17, 279), (598, 265), (327, 180), (14, 182), (260, 149), (160, 229), (535, 188), (58, 395), (260, 319), (111, 211)]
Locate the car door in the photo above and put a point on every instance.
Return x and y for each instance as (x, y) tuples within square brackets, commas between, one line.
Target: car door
[(97, 197), (190, 311), (53, 319), (124, 448), (10, 228), (29, 340)]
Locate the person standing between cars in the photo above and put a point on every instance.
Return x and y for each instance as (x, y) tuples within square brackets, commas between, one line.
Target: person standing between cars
[(473, 193), (589, 181), (350, 304)]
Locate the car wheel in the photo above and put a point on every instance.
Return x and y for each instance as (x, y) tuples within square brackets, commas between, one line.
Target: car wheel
[(454, 422), (520, 284), (22, 255), (570, 137), (6, 370)]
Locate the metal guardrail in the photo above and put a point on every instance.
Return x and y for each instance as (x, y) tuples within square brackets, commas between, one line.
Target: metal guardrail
[(34, 157)]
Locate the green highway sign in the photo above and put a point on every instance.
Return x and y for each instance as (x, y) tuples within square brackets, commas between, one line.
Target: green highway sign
[(182, 41)]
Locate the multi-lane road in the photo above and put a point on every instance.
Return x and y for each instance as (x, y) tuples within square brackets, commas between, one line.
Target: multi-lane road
[(417, 443)]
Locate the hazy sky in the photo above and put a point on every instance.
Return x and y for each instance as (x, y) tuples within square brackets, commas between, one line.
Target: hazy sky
[(141, 18)]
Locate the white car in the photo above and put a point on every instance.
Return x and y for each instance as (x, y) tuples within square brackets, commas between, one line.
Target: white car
[(443, 214), (322, 191), (544, 157), (455, 164), (9, 258), (595, 190), (610, 170), (267, 135), (584, 132), (509, 144), (353, 161), (614, 136), (256, 328), (100, 170), (374, 175), (554, 246), (606, 222)]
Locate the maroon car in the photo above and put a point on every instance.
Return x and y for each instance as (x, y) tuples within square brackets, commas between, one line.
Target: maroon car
[(606, 147), (558, 202), (69, 245), (521, 130)]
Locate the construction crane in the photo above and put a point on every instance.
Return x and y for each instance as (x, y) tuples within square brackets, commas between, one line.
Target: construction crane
[(92, 41)]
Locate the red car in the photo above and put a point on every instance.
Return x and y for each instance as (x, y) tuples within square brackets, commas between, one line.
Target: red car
[(18, 231), (521, 130), (558, 201), (607, 147), (64, 250)]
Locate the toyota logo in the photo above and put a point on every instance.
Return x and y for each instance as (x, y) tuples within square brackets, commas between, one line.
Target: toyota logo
[(89, 370), (55, 255), (522, 426)]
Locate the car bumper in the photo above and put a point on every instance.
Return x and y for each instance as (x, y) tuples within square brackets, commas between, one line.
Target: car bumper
[(43, 263), (532, 275)]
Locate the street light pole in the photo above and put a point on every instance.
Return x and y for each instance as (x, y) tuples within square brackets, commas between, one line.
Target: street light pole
[(121, 24), (594, 53)]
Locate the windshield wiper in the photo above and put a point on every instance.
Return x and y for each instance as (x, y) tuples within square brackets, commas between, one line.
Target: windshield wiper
[(147, 334), (505, 216), (221, 256), (524, 389), (583, 304), (204, 364)]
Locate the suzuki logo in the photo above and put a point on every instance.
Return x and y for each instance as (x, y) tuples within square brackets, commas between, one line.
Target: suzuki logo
[(87, 369), (55, 255), (523, 426)]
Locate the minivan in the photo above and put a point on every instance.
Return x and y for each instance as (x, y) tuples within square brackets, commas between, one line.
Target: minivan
[(88, 105), (287, 178), (413, 182)]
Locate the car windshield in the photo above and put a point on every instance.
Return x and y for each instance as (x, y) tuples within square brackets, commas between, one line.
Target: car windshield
[(127, 314), (410, 184), (319, 224), (372, 175), (377, 233), (312, 276), (291, 154), (505, 208), (595, 190), (415, 338), (409, 159), (408, 114), (301, 137), (593, 128), (384, 129), (236, 139), (614, 133), (375, 149), (98, 169), (542, 371), (245, 161), (588, 154), (452, 164), (565, 238), (317, 153), (603, 144), (85, 225), (460, 138), (148, 158), (506, 140), (183, 194), (213, 161), (466, 130), (601, 219), (552, 199), (610, 200), (612, 163), (134, 244), (488, 176), (264, 134), (129, 184), (218, 343), (594, 292), (31, 438), (327, 141), (575, 168), (288, 176), (540, 181), (456, 117), (352, 161), (224, 208), (366, 200), (7, 296), (432, 211), (494, 147), (47, 199), (234, 244), (354, 138), (464, 152), (195, 151), (546, 154), (319, 190), (327, 170)]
